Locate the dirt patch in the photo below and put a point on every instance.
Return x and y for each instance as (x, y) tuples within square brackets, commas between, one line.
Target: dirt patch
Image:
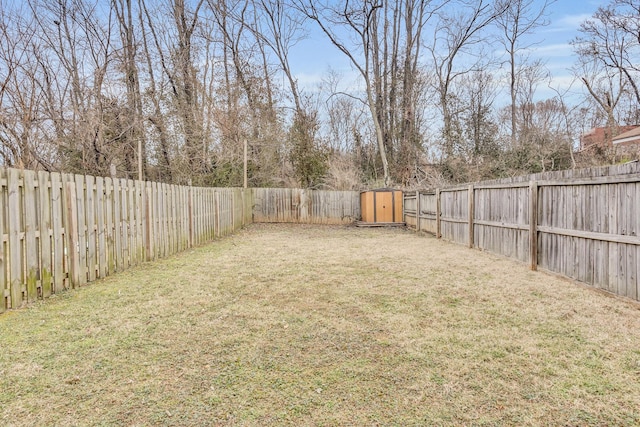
[(306, 325)]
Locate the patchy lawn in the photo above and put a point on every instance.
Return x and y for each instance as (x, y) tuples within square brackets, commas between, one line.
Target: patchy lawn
[(301, 325)]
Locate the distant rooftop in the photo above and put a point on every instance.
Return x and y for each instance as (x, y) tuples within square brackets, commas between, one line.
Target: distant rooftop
[(629, 137), (600, 136)]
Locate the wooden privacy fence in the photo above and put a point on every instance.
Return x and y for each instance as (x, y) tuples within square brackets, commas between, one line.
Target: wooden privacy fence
[(583, 224), (61, 231), (292, 205)]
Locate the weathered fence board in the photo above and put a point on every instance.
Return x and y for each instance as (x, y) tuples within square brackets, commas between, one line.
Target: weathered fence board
[(428, 209), (30, 241), (109, 226), (58, 234), (305, 206), (44, 228), (92, 253), (454, 215), (5, 289), (101, 247), (582, 224), (61, 230), (81, 231), (117, 225), (15, 210), (411, 211)]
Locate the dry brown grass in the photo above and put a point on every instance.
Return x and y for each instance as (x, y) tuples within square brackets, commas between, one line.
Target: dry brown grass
[(293, 325)]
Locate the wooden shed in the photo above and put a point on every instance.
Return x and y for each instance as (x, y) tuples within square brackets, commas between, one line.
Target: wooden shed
[(381, 207)]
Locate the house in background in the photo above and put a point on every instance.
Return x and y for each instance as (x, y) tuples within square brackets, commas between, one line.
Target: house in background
[(600, 137), (628, 138)]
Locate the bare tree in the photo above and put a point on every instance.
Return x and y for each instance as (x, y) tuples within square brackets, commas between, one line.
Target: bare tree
[(606, 86), (612, 36), (357, 20), (75, 54), (382, 41), (154, 95), (249, 110), (480, 128), (174, 39), (128, 57), (530, 76), (172, 91), (518, 19), (19, 92), (280, 27), (459, 36)]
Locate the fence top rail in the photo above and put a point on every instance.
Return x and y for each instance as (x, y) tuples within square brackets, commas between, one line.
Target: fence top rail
[(4, 182), (500, 186), (570, 174), (598, 180), (613, 179), (454, 189)]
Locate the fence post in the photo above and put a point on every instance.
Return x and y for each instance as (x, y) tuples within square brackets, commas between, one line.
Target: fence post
[(438, 208), (533, 224), (216, 208), (417, 210), (149, 221), (471, 194)]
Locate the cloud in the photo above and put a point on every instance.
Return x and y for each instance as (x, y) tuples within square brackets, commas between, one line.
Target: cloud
[(572, 22), (554, 49), (308, 79), (568, 24)]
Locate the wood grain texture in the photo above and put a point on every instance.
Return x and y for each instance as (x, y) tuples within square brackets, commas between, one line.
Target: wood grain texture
[(582, 224), (31, 241), (286, 205), (5, 290), (63, 230)]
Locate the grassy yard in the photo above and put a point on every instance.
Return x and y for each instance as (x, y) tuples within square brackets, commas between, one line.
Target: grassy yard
[(300, 325)]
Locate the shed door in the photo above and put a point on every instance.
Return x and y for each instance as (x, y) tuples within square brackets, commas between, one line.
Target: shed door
[(398, 201), (384, 207), (367, 207)]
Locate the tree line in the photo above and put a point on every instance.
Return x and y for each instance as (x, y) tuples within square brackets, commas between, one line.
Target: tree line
[(181, 91)]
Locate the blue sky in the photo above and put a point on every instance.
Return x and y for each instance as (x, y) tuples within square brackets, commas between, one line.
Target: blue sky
[(313, 56), (565, 18)]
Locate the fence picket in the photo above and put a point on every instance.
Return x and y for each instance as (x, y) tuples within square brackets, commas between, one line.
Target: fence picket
[(45, 227), (58, 233), (109, 226), (5, 290), (31, 247), (81, 231), (117, 226), (71, 227), (92, 254), (131, 224), (15, 240), (101, 240)]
